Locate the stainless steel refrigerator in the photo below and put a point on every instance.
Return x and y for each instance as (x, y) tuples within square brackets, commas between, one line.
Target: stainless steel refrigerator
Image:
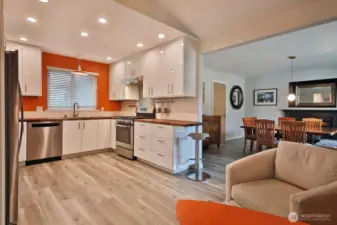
[(13, 133)]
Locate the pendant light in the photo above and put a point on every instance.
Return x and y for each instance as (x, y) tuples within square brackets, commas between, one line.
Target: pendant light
[(79, 70), (291, 96)]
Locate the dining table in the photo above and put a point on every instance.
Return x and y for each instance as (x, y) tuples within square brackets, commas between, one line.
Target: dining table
[(314, 131)]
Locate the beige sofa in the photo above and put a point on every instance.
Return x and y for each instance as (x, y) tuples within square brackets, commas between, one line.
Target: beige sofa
[(291, 178)]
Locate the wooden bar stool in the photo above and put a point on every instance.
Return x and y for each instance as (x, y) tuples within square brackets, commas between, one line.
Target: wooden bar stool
[(197, 174)]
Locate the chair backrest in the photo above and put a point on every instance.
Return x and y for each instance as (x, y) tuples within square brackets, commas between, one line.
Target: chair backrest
[(305, 166), (249, 122), (265, 131), (281, 119), (313, 123), (293, 131)]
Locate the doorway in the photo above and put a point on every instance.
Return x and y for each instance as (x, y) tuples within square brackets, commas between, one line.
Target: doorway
[(219, 105)]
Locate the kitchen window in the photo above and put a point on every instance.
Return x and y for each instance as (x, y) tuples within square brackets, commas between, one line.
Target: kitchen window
[(64, 89)]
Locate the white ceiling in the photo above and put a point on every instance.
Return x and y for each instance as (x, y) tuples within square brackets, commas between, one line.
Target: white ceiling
[(209, 19), (60, 22), (315, 48)]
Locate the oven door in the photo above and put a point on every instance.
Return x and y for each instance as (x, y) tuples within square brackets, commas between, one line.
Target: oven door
[(124, 136)]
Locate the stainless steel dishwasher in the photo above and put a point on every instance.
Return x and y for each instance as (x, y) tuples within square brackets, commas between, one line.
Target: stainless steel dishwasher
[(44, 141)]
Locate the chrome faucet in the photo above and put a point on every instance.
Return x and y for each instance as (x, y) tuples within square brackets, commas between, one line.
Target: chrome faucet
[(75, 106)]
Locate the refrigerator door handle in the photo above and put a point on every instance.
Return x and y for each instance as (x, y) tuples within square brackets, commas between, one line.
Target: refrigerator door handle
[(21, 119)]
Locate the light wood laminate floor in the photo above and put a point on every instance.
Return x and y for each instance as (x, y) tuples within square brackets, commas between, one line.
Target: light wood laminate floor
[(106, 189)]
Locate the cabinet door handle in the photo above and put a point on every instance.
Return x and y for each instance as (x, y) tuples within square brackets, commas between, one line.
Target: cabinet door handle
[(160, 155), (79, 125), (171, 88), (152, 91), (149, 91), (168, 89), (83, 125), (26, 88)]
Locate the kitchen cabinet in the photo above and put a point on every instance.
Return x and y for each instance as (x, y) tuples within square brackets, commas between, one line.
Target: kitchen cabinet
[(89, 135), (113, 134), (23, 148), (104, 134), (79, 136), (72, 137), (170, 70), (30, 68), (31, 71), (167, 147), (118, 90)]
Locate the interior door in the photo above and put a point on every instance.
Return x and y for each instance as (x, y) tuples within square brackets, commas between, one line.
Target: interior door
[(219, 105)]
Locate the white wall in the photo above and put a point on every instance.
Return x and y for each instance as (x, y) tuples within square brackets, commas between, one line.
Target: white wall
[(281, 82), (233, 117)]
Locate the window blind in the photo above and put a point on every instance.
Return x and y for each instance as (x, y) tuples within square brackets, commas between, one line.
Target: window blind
[(64, 89)]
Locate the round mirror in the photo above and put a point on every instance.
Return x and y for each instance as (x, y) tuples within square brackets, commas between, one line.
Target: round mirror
[(236, 97)]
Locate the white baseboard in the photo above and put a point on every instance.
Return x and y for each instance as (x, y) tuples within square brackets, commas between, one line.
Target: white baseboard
[(233, 138)]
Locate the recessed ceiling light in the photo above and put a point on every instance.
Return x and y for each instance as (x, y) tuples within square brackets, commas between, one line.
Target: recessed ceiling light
[(161, 51), (84, 34), (182, 44), (43, 0), (31, 19), (140, 45), (102, 20), (108, 58), (128, 62), (161, 35), (23, 39)]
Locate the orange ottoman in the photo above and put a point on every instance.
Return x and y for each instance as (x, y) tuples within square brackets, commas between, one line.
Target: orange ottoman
[(190, 212)]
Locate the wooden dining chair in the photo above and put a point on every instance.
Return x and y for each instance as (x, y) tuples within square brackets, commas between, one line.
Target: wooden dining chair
[(312, 124), (294, 131), (265, 131), (281, 119), (249, 132)]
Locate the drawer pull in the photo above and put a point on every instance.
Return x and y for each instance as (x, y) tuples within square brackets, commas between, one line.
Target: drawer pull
[(160, 155), (160, 141), (142, 137), (141, 149), (161, 127)]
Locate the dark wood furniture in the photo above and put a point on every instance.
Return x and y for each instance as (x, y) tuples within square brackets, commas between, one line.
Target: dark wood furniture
[(293, 131), (249, 132), (212, 126), (265, 131)]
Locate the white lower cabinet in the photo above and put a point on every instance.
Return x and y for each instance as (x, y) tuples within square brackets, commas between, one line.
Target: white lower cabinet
[(165, 146), (104, 134), (113, 134), (23, 148), (79, 136)]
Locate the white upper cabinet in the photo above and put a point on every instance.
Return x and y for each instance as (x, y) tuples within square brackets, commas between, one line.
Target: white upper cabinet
[(118, 90), (170, 70), (31, 71), (30, 68)]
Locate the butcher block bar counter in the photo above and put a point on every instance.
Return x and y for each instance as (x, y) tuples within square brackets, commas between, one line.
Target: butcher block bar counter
[(179, 123)]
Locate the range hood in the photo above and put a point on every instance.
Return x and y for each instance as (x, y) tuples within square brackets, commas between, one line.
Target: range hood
[(134, 80)]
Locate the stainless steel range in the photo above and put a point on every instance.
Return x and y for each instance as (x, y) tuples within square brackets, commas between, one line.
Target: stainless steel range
[(125, 131)]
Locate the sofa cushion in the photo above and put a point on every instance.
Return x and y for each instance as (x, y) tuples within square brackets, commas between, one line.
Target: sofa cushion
[(325, 143), (269, 196), (305, 166)]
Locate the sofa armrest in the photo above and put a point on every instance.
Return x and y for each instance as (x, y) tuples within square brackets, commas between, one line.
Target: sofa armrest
[(321, 200), (260, 166)]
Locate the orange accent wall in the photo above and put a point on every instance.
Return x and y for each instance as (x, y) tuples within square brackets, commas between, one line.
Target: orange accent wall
[(48, 59)]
